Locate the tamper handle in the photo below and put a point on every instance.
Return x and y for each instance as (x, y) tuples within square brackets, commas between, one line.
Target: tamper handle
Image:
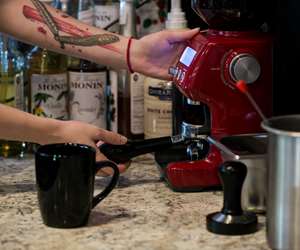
[(232, 174), (232, 220)]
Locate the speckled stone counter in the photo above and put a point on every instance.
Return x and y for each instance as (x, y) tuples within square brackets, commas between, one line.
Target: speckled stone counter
[(142, 213)]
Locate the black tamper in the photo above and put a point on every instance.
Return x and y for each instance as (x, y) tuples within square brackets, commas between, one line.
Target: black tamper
[(232, 220)]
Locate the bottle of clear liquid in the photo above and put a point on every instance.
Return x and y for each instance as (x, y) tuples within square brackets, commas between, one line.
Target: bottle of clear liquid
[(87, 82), (11, 88), (130, 86), (48, 91)]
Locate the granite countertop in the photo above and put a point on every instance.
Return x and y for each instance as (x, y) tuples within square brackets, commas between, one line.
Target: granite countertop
[(142, 213)]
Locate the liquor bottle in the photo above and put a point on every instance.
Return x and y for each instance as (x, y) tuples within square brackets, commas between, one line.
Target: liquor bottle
[(107, 14), (157, 108), (130, 86), (48, 91), (158, 94), (87, 83), (11, 88)]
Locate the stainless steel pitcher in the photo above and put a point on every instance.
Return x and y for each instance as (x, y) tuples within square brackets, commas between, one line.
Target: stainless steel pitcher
[(250, 149), (283, 193)]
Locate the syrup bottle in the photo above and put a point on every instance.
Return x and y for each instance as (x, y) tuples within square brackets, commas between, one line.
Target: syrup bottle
[(48, 91), (107, 14), (130, 86), (87, 80), (11, 88)]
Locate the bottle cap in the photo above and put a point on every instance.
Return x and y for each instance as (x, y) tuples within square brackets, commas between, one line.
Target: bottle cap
[(176, 17)]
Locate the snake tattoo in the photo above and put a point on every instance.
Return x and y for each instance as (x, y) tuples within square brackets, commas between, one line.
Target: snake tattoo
[(92, 40)]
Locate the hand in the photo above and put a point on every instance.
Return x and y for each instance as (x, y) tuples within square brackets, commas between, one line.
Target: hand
[(155, 53), (83, 133)]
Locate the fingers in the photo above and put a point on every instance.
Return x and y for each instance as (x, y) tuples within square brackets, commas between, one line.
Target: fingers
[(110, 137), (107, 171), (181, 36)]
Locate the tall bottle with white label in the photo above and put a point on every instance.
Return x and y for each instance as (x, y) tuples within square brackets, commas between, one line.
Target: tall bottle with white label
[(87, 82), (106, 15), (130, 86), (11, 88), (48, 90), (87, 97)]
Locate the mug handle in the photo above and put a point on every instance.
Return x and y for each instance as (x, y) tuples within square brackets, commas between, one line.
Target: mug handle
[(111, 185)]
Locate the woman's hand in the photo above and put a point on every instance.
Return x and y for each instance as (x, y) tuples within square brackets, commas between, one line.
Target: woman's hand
[(153, 54), (83, 133)]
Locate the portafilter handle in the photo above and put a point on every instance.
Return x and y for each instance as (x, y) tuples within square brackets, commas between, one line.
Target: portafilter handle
[(124, 153)]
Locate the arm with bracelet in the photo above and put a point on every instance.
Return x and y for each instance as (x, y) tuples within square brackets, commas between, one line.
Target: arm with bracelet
[(37, 23)]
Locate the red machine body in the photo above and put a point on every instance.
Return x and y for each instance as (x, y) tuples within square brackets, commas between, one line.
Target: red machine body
[(207, 72), (208, 79)]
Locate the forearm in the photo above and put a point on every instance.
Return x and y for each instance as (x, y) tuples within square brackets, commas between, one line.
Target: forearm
[(21, 19), (17, 125)]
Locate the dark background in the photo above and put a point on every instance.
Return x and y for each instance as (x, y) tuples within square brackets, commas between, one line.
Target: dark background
[(283, 19)]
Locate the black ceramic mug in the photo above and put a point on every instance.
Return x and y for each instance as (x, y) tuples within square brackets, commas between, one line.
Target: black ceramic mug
[(65, 175)]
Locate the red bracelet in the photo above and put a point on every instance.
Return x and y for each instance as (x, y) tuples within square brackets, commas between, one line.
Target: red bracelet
[(128, 56)]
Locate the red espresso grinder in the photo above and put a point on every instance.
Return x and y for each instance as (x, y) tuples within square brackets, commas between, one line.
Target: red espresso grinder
[(232, 49)]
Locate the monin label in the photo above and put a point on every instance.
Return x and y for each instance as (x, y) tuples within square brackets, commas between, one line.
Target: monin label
[(49, 95), (107, 16), (88, 97)]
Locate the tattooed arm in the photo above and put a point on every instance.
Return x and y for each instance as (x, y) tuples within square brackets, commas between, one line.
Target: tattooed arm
[(24, 20), (34, 22)]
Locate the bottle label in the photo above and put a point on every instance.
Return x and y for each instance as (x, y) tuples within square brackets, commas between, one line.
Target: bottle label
[(137, 103), (19, 86), (86, 16), (161, 93), (105, 15), (49, 95), (12, 91), (113, 103), (158, 108), (88, 97)]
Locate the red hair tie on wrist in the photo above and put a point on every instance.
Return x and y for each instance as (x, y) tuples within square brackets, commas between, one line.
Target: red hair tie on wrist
[(128, 56)]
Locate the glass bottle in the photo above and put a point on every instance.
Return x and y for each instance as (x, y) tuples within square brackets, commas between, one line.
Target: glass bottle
[(48, 84), (11, 88), (107, 14), (157, 108), (87, 83), (48, 91), (130, 86)]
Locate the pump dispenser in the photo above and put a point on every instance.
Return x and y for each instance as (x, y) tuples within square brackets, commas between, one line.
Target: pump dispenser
[(158, 93), (176, 17)]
